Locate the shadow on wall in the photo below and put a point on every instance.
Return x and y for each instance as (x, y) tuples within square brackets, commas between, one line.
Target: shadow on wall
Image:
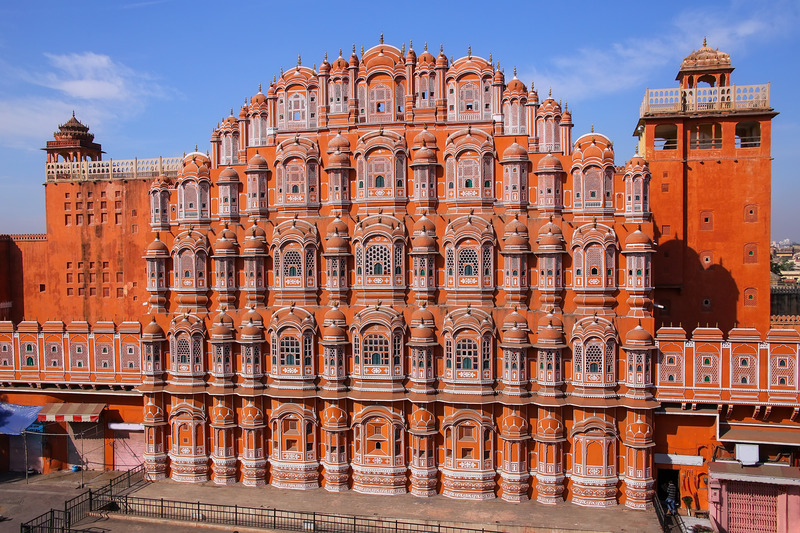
[(694, 288)]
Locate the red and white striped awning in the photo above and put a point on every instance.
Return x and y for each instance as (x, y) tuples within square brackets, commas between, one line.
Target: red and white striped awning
[(71, 412)]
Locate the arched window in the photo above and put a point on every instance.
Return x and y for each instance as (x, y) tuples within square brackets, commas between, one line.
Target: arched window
[(379, 181), (376, 349), (297, 110), (380, 102), (468, 173), (378, 167), (469, 98), (467, 262), (466, 354), (378, 260), (289, 351)]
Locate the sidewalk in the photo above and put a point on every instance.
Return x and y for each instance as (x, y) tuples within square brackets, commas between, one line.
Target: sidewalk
[(530, 516)]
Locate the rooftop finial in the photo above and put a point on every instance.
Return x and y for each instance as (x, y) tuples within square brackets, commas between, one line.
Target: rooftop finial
[(550, 92), (73, 113), (326, 55), (441, 48), (469, 51), (195, 147), (592, 128), (490, 58), (411, 44), (515, 71), (259, 87), (299, 60), (704, 42), (281, 71), (362, 50), (426, 46), (381, 37), (340, 52), (231, 111), (403, 49), (354, 48)]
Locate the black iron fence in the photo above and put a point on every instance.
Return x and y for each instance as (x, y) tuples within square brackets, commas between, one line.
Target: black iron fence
[(113, 498), (79, 507), (268, 518)]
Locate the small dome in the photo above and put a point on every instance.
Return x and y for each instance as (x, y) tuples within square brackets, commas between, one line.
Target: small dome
[(550, 335), (251, 315), (243, 112), (516, 240), (422, 421), (423, 242), (639, 336), (254, 245), (422, 334), (258, 99), (514, 319), (424, 223), (549, 163), (255, 232), (515, 86), (550, 320), (222, 328), (157, 248), (515, 152), (229, 174), (325, 67), (153, 329), (257, 163), (224, 246), (251, 331), (499, 77), (424, 155), (514, 426), (515, 226), (515, 335), (336, 244), (638, 430), (422, 315), (339, 160), (425, 138), (636, 162), (411, 55), (339, 144), (334, 332), (426, 59), (638, 239), (334, 314), (334, 417), (566, 118), (441, 60), (704, 58), (533, 96)]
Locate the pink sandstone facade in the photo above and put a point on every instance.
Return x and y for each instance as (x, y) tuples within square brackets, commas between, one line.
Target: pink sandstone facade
[(401, 273)]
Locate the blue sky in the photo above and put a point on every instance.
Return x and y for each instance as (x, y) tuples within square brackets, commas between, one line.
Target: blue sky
[(154, 77)]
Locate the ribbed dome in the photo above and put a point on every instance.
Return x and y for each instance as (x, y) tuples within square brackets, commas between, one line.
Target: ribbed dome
[(257, 163), (638, 239), (421, 315), (334, 332), (639, 336), (153, 329), (515, 86), (515, 152), (222, 327), (255, 232), (424, 155), (251, 331), (515, 335), (334, 314), (550, 163), (422, 421), (424, 138), (499, 77), (424, 223), (254, 245), (157, 248), (704, 58), (334, 417), (224, 246), (339, 160), (339, 144), (422, 333), (228, 175), (423, 242)]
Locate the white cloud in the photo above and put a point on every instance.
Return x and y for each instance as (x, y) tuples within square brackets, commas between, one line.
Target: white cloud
[(98, 88), (592, 72)]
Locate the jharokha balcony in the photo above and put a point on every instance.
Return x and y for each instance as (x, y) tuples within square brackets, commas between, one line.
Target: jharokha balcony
[(114, 169), (706, 99)]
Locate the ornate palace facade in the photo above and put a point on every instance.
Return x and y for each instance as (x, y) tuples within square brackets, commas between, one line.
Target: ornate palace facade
[(400, 273)]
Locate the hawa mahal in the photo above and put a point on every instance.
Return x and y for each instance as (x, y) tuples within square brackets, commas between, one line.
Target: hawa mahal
[(405, 273)]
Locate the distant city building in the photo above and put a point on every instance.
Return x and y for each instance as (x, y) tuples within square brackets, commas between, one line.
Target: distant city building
[(401, 273)]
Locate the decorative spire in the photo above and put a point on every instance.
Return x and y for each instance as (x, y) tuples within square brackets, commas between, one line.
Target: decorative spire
[(426, 46), (550, 92), (326, 55), (411, 44), (381, 37), (441, 48), (592, 128), (299, 60), (354, 48), (515, 71), (340, 52), (469, 51), (259, 87), (704, 42), (403, 49), (490, 58)]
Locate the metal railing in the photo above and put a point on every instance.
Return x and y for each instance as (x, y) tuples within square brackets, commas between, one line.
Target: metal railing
[(268, 518), (79, 507)]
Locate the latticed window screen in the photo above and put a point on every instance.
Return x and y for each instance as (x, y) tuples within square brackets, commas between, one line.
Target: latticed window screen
[(487, 353), (378, 166), (380, 99), (577, 356), (197, 349), (397, 349), (376, 349), (378, 260), (307, 350), (467, 262), (450, 261), (487, 261), (310, 262), (183, 352), (468, 173), (594, 358), (398, 258), (290, 351), (469, 97), (295, 178), (488, 163), (292, 263), (466, 354)]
